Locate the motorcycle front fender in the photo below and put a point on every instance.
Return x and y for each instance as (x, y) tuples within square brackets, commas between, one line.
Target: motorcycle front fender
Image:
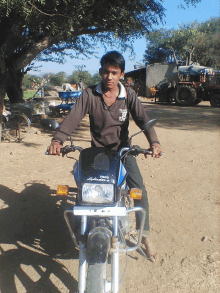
[(98, 245)]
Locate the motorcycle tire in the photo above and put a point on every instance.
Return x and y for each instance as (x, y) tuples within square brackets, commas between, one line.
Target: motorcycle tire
[(96, 278)]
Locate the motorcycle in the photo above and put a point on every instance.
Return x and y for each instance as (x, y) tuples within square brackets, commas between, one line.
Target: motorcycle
[(103, 205)]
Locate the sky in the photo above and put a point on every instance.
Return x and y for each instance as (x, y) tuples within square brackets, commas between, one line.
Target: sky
[(174, 15)]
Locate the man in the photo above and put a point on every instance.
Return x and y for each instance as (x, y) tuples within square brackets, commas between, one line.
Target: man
[(108, 105), (80, 85)]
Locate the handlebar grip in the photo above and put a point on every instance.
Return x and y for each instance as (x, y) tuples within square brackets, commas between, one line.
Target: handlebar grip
[(137, 150), (67, 149)]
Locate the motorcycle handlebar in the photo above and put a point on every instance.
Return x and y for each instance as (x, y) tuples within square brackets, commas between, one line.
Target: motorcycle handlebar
[(67, 149), (135, 150)]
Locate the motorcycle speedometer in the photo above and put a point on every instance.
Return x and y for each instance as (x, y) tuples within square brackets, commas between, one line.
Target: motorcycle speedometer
[(97, 193)]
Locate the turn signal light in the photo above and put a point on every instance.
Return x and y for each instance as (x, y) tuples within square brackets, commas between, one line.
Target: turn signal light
[(136, 193), (63, 190)]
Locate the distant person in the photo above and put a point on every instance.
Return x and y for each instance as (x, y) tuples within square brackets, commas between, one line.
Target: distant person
[(80, 85), (129, 83), (67, 87)]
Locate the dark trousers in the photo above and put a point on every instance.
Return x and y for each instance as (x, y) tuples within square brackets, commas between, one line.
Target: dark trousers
[(135, 180)]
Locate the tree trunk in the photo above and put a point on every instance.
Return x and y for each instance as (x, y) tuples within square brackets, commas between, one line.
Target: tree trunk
[(190, 54), (14, 85), (2, 89), (174, 56)]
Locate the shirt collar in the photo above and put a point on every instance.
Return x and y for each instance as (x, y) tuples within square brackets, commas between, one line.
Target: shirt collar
[(122, 91)]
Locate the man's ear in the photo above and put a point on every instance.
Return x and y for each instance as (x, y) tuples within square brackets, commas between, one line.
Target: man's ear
[(122, 75)]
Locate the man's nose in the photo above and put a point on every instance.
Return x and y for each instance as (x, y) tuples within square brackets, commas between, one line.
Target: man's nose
[(109, 75)]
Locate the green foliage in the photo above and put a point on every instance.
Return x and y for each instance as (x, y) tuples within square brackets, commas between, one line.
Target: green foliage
[(190, 42), (57, 79), (207, 48), (96, 78), (33, 82), (32, 27), (52, 28), (28, 94), (84, 75)]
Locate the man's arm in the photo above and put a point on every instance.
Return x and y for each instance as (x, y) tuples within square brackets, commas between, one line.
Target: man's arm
[(140, 117), (71, 121)]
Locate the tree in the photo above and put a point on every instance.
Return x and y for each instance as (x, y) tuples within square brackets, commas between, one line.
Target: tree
[(58, 79), (96, 78), (193, 40), (31, 81), (33, 26), (171, 45), (207, 49)]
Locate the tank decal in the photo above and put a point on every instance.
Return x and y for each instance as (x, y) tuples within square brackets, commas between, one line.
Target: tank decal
[(122, 174)]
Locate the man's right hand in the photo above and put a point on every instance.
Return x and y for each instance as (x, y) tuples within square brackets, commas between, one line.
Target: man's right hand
[(54, 148)]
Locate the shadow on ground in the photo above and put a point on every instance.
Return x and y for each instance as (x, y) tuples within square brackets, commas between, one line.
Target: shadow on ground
[(78, 134), (32, 223), (199, 117)]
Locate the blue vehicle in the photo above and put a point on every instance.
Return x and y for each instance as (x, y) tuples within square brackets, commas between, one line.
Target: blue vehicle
[(68, 98)]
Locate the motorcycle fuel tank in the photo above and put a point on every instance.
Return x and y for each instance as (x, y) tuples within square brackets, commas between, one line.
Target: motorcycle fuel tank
[(97, 165)]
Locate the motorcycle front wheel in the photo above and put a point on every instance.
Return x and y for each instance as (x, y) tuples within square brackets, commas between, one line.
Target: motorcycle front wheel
[(96, 278)]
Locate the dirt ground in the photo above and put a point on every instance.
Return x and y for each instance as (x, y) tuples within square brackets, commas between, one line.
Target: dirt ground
[(36, 250)]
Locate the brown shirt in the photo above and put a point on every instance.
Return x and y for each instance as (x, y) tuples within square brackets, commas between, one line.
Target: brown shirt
[(108, 125)]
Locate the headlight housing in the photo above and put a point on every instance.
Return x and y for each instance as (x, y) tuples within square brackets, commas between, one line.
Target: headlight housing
[(97, 193)]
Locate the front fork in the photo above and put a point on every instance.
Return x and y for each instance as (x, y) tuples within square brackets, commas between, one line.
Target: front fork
[(82, 250), (82, 257), (109, 286), (112, 286), (115, 257)]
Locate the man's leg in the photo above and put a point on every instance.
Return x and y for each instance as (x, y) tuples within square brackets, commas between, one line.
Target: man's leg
[(135, 180)]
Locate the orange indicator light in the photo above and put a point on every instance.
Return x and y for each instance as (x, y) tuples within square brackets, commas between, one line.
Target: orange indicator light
[(63, 190), (136, 193)]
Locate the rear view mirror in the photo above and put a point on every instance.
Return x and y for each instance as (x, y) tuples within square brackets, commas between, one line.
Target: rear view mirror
[(145, 127), (149, 124), (50, 124)]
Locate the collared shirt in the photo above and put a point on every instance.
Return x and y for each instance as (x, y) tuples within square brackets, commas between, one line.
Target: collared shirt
[(122, 90), (108, 124)]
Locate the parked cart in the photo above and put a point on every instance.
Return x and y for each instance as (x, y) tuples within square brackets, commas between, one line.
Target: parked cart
[(68, 98)]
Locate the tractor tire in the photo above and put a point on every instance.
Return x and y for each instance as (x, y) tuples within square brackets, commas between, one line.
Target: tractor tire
[(215, 101), (197, 101), (185, 96)]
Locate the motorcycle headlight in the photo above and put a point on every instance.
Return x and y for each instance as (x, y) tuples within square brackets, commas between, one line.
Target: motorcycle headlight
[(98, 193)]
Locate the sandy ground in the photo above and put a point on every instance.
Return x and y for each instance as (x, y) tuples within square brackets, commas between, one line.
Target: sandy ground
[(36, 251)]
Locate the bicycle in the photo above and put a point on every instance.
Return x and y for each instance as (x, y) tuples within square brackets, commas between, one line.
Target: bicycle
[(15, 126)]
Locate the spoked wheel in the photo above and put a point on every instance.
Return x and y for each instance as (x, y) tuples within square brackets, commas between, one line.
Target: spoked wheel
[(17, 127)]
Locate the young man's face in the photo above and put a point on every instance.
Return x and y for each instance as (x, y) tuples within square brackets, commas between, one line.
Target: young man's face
[(110, 76)]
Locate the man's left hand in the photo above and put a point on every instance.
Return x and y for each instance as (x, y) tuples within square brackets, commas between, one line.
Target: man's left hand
[(156, 150)]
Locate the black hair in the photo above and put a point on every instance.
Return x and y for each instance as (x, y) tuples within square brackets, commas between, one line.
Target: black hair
[(113, 58)]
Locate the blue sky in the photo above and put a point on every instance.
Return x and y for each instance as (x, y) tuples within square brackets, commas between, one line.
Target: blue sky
[(174, 15)]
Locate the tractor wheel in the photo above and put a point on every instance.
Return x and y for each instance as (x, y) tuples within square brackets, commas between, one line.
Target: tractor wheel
[(185, 96), (197, 101), (215, 101)]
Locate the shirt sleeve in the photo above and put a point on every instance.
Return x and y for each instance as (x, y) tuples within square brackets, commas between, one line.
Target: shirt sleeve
[(72, 120), (139, 115)]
